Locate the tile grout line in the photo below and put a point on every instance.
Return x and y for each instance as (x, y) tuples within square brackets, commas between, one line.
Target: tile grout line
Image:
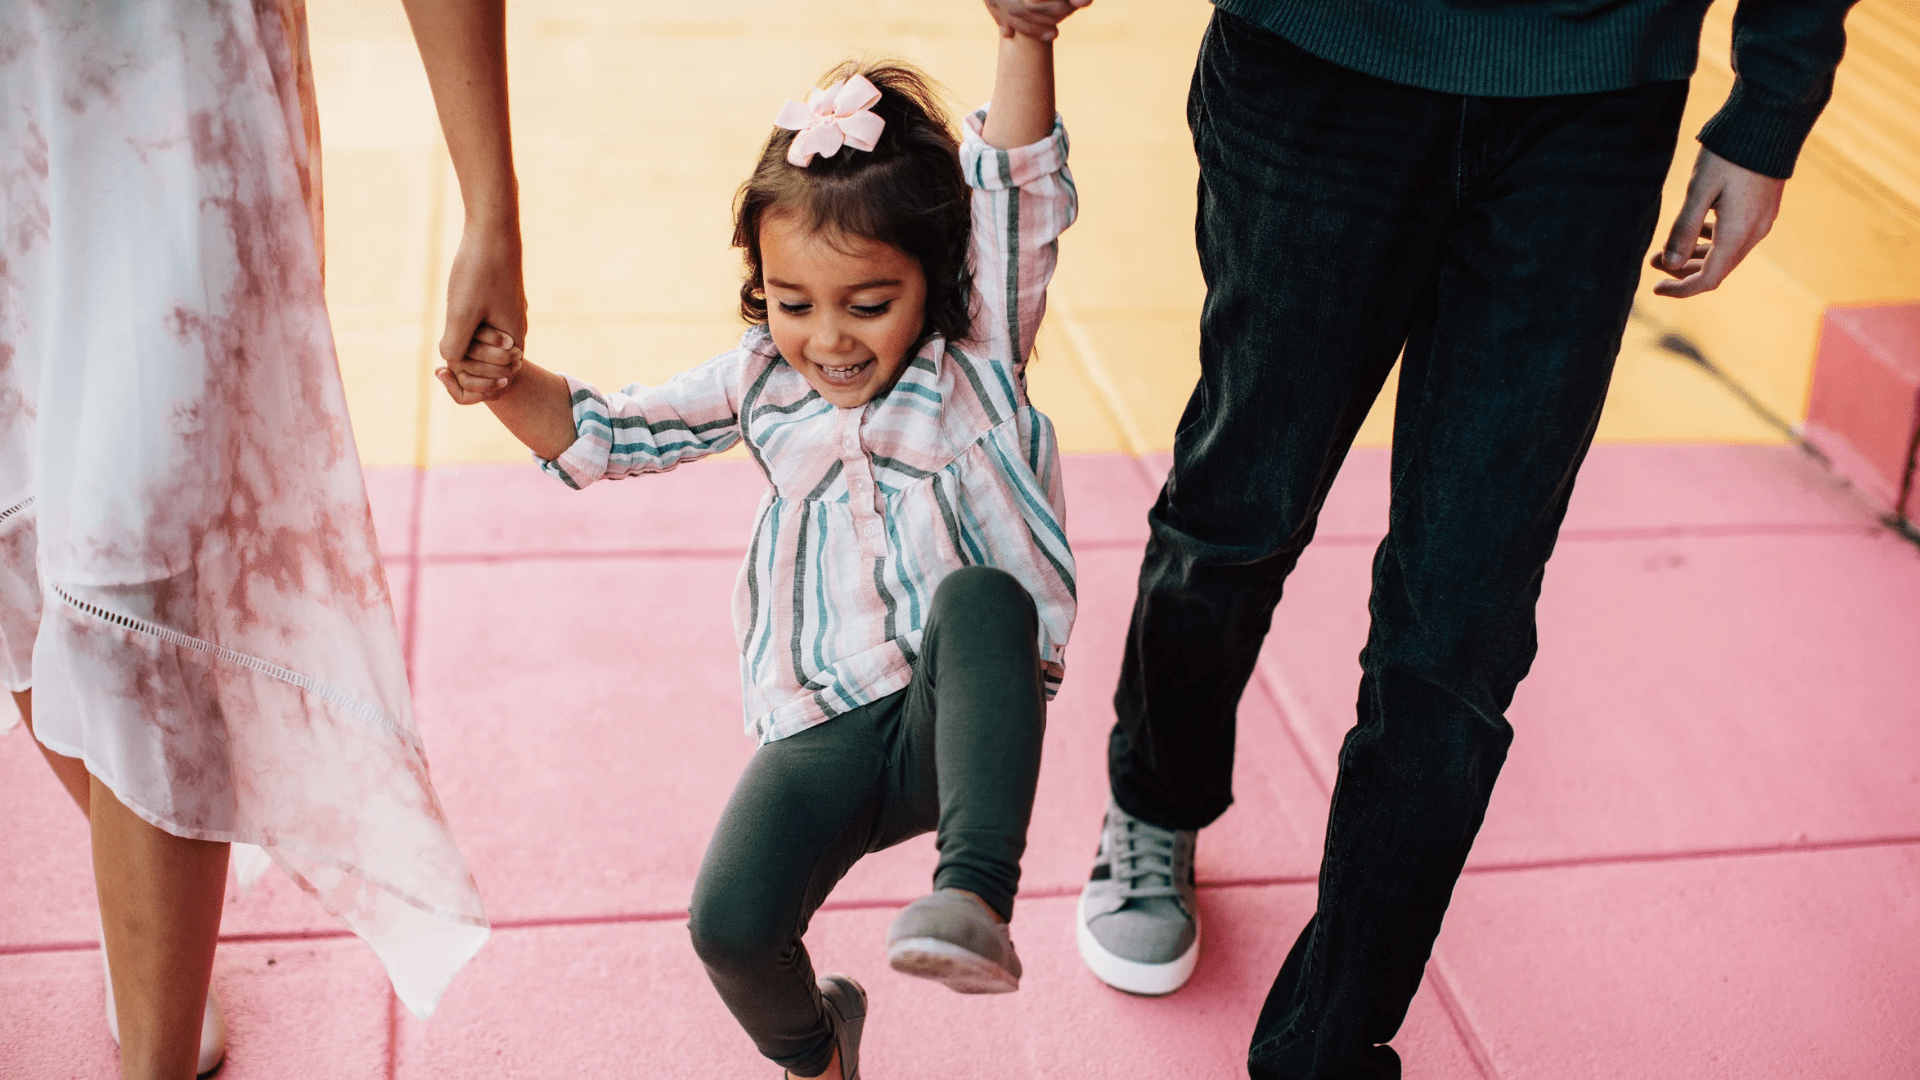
[(416, 527), (1057, 893), (416, 558), (423, 404), (393, 1033), (1282, 697), (1457, 1013), (1800, 847), (560, 554)]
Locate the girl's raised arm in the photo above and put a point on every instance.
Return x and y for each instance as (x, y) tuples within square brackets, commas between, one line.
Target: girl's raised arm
[(1023, 109), (463, 44)]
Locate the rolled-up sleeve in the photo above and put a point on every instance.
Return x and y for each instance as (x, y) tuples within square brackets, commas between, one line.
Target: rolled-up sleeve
[(648, 429), (1023, 199)]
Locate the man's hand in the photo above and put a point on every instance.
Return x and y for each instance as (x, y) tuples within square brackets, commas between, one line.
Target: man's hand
[(1038, 19), (1700, 254), (484, 292)]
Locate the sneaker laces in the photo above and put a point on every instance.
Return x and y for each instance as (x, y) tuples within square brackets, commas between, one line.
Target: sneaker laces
[(1142, 859)]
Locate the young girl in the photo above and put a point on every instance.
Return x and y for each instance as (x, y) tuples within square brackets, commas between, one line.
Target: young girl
[(905, 603)]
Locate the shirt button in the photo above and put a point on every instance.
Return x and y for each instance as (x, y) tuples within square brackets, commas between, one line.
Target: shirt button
[(873, 530)]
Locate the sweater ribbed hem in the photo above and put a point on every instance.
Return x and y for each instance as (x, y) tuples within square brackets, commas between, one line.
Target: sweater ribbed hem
[(1759, 135), (1490, 53)]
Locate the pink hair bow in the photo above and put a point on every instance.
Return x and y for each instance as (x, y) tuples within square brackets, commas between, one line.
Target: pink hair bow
[(842, 113)]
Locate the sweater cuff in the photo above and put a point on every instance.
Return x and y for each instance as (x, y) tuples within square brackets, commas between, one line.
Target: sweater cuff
[(1759, 135)]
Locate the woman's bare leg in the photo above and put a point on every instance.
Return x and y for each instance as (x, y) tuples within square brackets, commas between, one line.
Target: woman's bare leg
[(160, 900), (71, 771)]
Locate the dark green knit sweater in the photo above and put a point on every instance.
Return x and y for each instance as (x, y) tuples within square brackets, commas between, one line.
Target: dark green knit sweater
[(1784, 50)]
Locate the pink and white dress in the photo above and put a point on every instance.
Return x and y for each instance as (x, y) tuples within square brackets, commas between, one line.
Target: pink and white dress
[(188, 574)]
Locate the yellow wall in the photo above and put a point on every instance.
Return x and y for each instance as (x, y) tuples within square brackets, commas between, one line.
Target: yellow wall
[(634, 122)]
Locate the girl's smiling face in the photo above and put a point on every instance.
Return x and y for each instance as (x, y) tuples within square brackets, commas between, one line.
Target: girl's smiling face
[(844, 310)]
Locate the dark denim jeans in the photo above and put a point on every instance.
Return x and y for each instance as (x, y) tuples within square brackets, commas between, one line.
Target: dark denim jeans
[(1343, 218)]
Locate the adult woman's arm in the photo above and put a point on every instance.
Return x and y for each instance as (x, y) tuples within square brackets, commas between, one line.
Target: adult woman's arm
[(463, 44)]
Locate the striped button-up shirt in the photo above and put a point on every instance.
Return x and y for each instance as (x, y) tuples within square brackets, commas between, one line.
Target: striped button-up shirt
[(871, 507)]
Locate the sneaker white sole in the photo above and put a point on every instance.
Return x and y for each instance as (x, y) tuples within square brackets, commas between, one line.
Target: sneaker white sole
[(960, 970), (1132, 976)]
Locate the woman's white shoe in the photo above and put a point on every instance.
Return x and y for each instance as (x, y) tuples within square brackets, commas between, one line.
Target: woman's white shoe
[(213, 1025)]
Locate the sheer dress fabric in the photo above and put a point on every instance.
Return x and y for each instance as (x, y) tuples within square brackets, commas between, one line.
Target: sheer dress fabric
[(188, 573), (870, 508)]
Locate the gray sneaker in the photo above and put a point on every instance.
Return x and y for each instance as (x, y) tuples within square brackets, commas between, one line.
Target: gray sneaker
[(1139, 925), (847, 1012), (951, 937)]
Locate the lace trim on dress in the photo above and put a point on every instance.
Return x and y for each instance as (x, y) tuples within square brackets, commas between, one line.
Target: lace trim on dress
[(313, 686), (16, 509)]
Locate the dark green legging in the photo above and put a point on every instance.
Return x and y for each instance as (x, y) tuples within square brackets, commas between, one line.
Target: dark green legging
[(957, 752)]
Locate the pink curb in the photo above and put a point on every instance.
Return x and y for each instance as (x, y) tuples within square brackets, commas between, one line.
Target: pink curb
[(1864, 412)]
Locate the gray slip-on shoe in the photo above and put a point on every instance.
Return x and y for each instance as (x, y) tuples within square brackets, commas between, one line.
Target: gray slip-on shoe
[(1139, 921), (954, 939), (846, 1003)]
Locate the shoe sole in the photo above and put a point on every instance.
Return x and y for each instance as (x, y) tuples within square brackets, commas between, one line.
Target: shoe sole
[(1132, 976), (960, 970)]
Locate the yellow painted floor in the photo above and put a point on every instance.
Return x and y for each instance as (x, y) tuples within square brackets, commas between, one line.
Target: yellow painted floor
[(635, 121)]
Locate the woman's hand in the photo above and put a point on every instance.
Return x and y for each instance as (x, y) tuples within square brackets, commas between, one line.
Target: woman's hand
[(463, 44), (485, 296), (1038, 19)]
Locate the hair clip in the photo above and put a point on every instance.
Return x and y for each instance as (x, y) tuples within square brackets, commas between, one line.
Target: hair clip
[(840, 114)]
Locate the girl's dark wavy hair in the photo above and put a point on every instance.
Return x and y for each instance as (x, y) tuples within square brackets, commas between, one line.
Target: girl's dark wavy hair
[(907, 192)]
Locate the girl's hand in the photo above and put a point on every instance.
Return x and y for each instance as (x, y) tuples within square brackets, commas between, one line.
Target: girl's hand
[(486, 371), (1038, 19)]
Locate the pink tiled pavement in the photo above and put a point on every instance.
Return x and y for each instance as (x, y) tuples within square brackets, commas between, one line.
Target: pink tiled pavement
[(307, 1009), (1777, 967), (1701, 859), (520, 1012), (1692, 693)]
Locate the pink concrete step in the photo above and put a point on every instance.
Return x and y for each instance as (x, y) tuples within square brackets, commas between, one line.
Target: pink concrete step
[(1863, 410)]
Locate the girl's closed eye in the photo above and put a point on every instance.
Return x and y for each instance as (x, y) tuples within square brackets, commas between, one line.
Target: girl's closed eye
[(795, 309), (872, 311)]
